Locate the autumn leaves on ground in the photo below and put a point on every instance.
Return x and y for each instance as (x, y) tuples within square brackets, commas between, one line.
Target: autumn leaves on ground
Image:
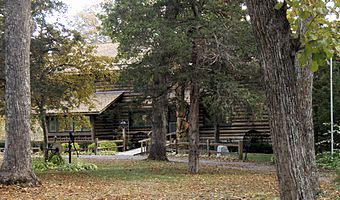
[(127, 179)]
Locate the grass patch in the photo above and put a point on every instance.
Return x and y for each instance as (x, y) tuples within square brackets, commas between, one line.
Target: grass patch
[(260, 157), (125, 179), (139, 170)]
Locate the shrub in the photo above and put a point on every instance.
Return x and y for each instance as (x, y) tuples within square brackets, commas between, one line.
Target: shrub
[(41, 165), (108, 145), (325, 159), (111, 146), (56, 160), (91, 147), (65, 146), (77, 166)]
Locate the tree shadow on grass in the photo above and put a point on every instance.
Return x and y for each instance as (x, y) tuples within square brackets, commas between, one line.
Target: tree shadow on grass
[(141, 170)]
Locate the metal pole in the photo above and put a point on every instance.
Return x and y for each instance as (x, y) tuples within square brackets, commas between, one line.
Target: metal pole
[(331, 94), (124, 139), (69, 152)]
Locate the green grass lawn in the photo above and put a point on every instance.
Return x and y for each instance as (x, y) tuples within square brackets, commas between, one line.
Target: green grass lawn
[(260, 157), (123, 179)]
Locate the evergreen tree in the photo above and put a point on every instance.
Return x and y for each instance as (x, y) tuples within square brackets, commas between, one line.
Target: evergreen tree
[(181, 42)]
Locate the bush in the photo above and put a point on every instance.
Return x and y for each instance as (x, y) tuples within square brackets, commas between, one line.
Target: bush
[(108, 145), (56, 160), (78, 166), (65, 146), (41, 165), (111, 146), (91, 147), (325, 159)]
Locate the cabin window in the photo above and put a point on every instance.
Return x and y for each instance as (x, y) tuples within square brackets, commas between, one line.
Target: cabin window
[(172, 114), (52, 124), (76, 124), (172, 127), (82, 124), (68, 125), (140, 119)]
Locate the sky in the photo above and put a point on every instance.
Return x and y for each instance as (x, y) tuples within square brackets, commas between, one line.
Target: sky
[(75, 6)]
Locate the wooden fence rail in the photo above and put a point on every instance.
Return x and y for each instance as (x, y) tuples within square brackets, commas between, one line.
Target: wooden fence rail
[(145, 145)]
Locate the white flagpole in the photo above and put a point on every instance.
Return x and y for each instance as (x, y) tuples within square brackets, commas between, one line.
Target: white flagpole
[(331, 91)]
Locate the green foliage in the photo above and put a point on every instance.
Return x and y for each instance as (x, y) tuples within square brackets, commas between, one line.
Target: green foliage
[(52, 163), (260, 157), (106, 145), (111, 146), (205, 42), (56, 160), (63, 67), (40, 165), (318, 35), (91, 147), (326, 160), (77, 166), (74, 146)]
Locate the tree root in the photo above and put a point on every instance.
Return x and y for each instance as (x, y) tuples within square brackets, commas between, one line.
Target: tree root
[(28, 179)]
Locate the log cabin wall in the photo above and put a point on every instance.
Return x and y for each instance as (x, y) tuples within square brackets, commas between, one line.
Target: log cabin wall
[(106, 126), (240, 123)]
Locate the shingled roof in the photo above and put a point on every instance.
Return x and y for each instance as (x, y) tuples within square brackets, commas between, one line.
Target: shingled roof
[(100, 102)]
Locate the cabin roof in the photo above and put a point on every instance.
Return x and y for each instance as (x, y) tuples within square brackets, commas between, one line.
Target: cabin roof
[(100, 101)]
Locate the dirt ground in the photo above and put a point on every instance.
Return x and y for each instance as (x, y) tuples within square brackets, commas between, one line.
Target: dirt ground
[(135, 178)]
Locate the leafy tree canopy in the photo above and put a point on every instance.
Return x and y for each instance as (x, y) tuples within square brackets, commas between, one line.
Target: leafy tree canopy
[(317, 36), (157, 37)]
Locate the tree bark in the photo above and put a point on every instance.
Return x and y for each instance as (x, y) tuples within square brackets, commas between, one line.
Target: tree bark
[(17, 165), (43, 122), (194, 94), (159, 121), (217, 132), (194, 129), (181, 129), (289, 96)]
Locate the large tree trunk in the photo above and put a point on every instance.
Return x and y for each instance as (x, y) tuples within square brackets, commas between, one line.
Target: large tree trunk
[(17, 165), (159, 121), (181, 128), (194, 96), (43, 122), (289, 95), (194, 129)]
